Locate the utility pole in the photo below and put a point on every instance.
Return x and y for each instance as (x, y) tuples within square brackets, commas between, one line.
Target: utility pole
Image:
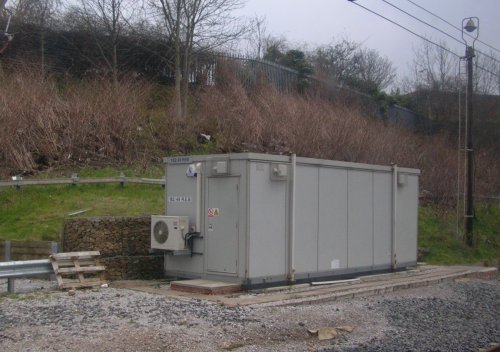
[(470, 27), (469, 216)]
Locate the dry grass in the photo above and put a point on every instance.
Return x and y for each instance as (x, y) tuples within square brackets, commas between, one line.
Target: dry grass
[(267, 120), (43, 124)]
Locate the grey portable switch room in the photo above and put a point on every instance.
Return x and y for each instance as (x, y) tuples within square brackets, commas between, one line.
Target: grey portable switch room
[(259, 219)]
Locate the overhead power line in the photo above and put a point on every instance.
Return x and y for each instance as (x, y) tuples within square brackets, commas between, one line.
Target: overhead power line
[(451, 24), (420, 36), (438, 29), (487, 71), (406, 29)]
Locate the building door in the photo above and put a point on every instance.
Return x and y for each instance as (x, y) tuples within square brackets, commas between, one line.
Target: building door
[(222, 225)]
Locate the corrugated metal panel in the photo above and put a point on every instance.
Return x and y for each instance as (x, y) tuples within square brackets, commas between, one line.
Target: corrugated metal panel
[(332, 241), (360, 215), (268, 225), (407, 221), (306, 219), (382, 218)]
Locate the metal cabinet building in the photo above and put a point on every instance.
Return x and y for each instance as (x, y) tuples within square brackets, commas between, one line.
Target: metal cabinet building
[(260, 219)]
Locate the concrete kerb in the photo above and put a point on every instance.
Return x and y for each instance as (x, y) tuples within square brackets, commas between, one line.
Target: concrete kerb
[(305, 294)]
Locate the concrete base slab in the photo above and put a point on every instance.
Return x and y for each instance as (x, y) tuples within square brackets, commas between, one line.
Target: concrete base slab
[(207, 287), (306, 294)]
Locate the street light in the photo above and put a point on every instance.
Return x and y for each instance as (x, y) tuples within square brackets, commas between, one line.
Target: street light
[(470, 24)]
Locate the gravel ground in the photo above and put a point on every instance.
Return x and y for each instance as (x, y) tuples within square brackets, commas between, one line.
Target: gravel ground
[(460, 316)]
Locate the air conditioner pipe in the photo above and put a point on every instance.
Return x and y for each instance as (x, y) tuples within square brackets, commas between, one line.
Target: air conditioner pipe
[(198, 197), (291, 239), (394, 215)]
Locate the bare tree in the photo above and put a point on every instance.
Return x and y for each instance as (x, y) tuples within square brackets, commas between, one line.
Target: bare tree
[(337, 60), (173, 17), (375, 70), (348, 63), (274, 48), (39, 12), (484, 81), (106, 17), (257, 36), (200, 25), (437, 81), (434, 68)]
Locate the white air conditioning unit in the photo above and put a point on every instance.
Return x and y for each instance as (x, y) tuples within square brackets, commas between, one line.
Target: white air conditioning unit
[(168, 232)]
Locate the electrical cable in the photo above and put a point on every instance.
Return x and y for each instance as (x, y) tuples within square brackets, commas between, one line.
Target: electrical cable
[(406, 29), (189, 239), (437, 29), (487, 71), (422, 21), (420, 36), (451, 24)]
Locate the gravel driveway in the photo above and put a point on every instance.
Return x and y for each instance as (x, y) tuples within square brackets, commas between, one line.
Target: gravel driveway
[(460, 316)]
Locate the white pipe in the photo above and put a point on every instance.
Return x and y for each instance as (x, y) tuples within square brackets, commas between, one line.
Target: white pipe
[(291, 264), (394, 215), (198, 197), (348, 281), (8, 24)]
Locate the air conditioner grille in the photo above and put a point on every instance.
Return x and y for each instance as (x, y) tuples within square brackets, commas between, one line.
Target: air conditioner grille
[(160, 232)]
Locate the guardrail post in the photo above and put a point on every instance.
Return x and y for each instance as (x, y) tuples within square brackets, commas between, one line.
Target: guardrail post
[(53, 250), (74, 178), (10, 281), (123, 178), (17, 180)]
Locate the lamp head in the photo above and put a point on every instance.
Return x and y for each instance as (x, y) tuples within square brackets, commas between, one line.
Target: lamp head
[(470, 26)]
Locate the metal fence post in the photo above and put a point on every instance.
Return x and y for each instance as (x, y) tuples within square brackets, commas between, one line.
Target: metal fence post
[(10, 281), (53, 247)]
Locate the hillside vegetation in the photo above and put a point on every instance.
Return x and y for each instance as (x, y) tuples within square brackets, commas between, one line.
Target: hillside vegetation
[(52, 123)]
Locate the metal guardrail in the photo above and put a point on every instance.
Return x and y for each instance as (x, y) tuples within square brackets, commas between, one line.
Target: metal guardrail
[(25, 268), (18, 181)]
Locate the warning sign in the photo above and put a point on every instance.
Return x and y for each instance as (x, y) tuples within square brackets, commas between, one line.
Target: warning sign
[(213, 212)]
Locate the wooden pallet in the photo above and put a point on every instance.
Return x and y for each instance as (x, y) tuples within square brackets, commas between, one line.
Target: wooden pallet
[(77, 269)]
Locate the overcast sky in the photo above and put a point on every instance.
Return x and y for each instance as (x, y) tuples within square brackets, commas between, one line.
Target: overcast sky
[(315, 22)]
